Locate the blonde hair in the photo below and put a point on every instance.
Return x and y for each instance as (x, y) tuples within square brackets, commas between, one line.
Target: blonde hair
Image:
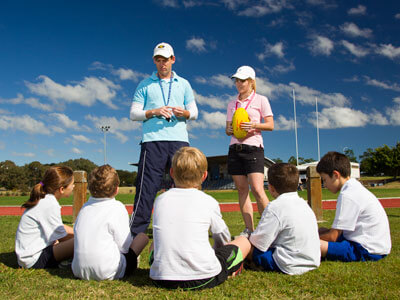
[(189, 165), (253, 83), (54, 178), (103, 182)]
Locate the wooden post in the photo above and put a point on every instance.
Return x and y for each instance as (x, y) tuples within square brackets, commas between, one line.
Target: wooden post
[(314, 191), (80, 178)]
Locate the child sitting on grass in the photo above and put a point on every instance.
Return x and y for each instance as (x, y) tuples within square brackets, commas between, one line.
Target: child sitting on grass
[(42, 240), (360, 230), (103, 243), (183, 256), (286, 238)]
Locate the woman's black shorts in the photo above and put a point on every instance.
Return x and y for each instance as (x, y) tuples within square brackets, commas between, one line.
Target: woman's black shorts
[(244, 159)]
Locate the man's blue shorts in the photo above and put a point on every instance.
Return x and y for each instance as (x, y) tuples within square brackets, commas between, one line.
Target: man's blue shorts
[(265, 260), (347, 251)]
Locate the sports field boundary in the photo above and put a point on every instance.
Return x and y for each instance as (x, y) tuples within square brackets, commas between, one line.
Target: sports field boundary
[(66, 210)]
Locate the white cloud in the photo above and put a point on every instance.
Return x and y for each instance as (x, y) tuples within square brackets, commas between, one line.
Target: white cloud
[(196, 45), (65, 121), (169, 3), (394, 112), (373, 82), (50, 152), (213, 101), (76, 150), (86, 92), (265, 7), (388, 50), (359, 10), (326, 4), (281, 69), (128, 74), (340, 117), (353, 30), (233, 4), (281, 123), (397, 16), (26, 154), (82, 138), (33, 102), (355, 50), (321, 45), (270, 49), (213, 120), (23, 123), (116, 126), (216, 80)]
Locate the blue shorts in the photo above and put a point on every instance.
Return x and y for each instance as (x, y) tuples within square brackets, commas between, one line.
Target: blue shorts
[(347, 251), (46, 259), (265, 260)]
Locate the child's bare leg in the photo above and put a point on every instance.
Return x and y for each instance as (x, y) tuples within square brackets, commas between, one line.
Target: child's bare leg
[(243, 244), (139, 243), (322, 230), (63, 250), (324, 247)]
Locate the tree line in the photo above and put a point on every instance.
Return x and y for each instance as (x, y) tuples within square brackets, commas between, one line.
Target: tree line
[(23, 178), (384, 160)]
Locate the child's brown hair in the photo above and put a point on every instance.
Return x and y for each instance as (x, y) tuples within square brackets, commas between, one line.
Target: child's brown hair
[(334, 161), (283, 177), (53, 179), (103, 182), (189, 165)]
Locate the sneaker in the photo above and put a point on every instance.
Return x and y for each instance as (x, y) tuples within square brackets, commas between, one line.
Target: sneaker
[(138, 261), (246, 233), (237, 272), (65, 264)]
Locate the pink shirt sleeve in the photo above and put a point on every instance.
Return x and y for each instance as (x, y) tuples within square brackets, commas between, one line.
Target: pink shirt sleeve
[(230, 110)]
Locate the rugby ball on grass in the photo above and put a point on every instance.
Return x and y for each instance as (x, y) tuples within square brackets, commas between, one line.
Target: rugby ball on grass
[(239, 116)]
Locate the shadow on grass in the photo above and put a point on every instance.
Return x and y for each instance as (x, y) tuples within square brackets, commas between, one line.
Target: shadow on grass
[(393, 216), (139, 278), (9, 259)]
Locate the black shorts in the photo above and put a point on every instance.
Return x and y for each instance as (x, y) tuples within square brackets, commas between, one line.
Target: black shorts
[(231, 259), (46, 259), (131, 262), (244, 159)]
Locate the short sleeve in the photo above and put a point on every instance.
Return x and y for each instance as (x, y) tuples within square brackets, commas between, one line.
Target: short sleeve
[(52, 225), (347, 212), (230, 110), (266, 232), (217, 223), (188, 96), (120, 228), (140, 94), (266, 110)]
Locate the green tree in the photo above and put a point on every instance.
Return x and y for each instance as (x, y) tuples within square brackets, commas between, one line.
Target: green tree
[(277, 160), (383, 159), (34, 173), (126, 178), (10, 175), (350, 154)]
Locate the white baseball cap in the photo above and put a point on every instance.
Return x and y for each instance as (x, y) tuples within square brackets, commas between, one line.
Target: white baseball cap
[(164, 50), (245, 72)]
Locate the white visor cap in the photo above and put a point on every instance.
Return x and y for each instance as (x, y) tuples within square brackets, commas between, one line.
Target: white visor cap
[(164, 50), (245, 72)]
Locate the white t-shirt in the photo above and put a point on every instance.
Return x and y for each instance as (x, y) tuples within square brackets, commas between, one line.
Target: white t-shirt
[(289, 225), (39, 227), (181, 222), (102, 234), (362, 218)]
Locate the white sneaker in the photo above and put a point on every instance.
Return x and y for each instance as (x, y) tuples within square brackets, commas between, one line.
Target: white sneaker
[(138, 261), (246, 233)]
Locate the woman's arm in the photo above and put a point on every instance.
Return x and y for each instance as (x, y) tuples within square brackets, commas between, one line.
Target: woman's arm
[(228, 128), (268, 125)]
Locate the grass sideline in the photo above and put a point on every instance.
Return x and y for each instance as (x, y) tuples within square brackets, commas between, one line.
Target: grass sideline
[(333, 280), (220, 196)]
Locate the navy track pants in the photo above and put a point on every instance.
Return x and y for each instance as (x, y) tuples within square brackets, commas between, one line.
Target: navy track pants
[(155, 159)]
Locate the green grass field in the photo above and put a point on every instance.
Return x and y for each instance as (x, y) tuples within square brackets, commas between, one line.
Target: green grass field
[(333, 280), (220, 196)]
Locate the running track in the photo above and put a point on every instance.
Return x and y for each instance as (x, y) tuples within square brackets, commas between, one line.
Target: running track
[(225, 207)]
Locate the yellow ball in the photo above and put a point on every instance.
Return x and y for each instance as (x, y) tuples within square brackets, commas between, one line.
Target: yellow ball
[(239, 116)]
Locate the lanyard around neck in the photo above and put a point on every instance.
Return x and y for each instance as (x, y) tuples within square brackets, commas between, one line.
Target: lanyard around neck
[(248, 103), (162, 90)]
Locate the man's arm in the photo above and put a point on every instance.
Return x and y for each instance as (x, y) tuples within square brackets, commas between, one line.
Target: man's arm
[(330, 235)]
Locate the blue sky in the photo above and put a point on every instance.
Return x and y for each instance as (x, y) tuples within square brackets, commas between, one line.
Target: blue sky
[(69, 67)]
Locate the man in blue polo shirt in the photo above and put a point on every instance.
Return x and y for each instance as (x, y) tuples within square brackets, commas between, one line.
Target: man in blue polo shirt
[(164, 102)]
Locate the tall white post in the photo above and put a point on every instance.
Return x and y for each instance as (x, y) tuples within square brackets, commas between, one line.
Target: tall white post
[(295, 128), (316, 112), (105, 129)]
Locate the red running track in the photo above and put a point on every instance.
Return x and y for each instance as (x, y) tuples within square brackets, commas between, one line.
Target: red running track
[(225, 207)]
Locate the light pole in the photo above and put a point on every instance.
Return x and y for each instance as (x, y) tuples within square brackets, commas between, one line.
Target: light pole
[(105, 129)]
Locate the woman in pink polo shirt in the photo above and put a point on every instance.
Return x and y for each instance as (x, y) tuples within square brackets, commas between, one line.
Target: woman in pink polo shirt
[(246, 156)]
